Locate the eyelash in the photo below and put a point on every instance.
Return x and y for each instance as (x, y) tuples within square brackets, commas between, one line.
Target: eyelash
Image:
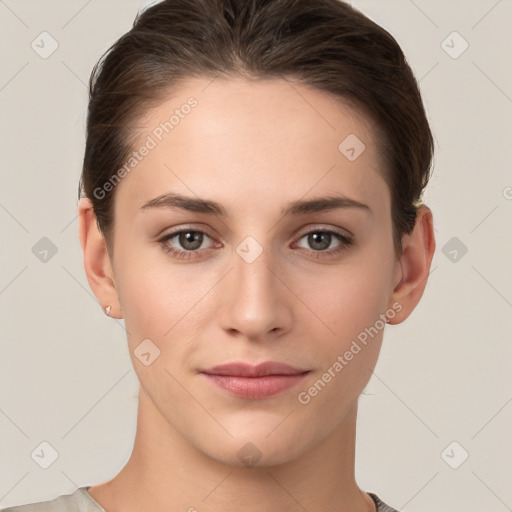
[(346, 242)]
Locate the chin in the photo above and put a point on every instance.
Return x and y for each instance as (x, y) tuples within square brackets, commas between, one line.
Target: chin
[(254, 450)]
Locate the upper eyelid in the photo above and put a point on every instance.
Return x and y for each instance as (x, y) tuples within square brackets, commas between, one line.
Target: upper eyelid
[(177, 231)]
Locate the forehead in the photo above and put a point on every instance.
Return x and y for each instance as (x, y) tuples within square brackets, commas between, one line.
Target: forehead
[(244, 140)]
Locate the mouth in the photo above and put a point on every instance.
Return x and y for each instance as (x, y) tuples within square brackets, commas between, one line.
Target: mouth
[(254, 382)]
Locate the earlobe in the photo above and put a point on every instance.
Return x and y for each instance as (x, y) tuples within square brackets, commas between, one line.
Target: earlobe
[(96, 259), (415, 262)]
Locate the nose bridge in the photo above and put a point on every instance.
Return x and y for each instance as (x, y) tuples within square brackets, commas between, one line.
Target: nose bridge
[(254, 278), (255, 303), (253, 268)]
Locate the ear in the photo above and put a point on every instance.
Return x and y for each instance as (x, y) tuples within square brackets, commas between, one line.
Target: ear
[(415, 260), (97, 263)]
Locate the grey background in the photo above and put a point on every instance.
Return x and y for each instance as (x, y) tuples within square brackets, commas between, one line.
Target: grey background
[(443, 375)]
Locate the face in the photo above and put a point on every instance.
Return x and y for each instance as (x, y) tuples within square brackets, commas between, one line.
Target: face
[(252, 276)]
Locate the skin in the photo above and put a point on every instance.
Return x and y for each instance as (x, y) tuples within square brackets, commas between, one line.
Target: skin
[(253, 147)]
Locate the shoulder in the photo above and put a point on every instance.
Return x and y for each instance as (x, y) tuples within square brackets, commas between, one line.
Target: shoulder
[(78, 501), (381, 506)]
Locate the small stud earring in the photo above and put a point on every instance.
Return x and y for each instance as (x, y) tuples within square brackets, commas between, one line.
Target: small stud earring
[(107, 310)]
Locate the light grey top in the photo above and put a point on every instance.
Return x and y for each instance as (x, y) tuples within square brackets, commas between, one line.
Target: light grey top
[(82, 501)]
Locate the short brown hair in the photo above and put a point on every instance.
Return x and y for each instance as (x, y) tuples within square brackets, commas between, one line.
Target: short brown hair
[(324, 43)]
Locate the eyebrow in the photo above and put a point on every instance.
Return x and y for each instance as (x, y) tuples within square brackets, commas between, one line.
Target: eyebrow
[(300, 207)]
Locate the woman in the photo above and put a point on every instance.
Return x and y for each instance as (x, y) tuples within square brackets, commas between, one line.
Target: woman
[(251, 207)]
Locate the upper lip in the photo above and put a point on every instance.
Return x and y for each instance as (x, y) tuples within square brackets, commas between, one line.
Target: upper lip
[(240, 369)]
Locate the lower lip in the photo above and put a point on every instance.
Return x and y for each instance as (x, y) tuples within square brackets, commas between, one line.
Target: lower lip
[(255, 388)]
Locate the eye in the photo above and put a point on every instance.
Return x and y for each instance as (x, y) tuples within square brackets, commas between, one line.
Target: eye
[(192, 242), (190, 239), (321, 240)]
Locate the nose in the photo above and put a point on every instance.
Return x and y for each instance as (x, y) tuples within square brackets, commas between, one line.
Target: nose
[(256, 302)]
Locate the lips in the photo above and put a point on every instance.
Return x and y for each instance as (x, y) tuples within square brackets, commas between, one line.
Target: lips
[(254, 382), (248, 370)]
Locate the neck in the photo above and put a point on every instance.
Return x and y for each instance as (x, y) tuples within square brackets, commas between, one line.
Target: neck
[(165, 472)]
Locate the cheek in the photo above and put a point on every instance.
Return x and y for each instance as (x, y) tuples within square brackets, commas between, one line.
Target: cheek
[(162, 301), (348, 299), (348, 337), (155, 306), (148, 293)]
